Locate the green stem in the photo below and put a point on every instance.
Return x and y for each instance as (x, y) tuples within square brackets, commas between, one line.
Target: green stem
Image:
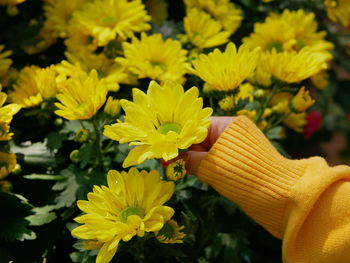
[(211, 101), (98, 142), (266, 103)]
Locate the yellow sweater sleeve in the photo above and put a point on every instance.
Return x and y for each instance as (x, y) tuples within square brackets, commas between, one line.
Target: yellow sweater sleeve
[(304, 202)]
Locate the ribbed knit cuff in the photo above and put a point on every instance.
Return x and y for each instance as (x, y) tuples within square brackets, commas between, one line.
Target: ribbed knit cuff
[(243, 166)]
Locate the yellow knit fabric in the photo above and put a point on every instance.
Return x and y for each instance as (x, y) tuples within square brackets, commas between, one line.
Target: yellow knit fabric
[(304, 202)]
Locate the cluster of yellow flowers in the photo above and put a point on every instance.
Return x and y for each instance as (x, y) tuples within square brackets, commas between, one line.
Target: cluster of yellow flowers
[(281, 52), (7, 160)]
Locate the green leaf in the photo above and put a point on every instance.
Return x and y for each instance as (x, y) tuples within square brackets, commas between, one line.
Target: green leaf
[(275, 133), (44, 177), (87, 154), (54, 140), (69, 186), (42, 215), (14, 210)]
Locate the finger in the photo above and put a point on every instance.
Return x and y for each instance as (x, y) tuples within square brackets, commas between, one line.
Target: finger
[(193, 160)]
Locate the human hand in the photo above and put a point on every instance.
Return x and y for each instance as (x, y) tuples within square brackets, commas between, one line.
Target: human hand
[(197, 152)]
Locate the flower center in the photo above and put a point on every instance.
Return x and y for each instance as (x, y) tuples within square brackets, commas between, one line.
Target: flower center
[(171, 126), (275, 45), (157, 64), (167, 231), (130, 211), (108, 20)]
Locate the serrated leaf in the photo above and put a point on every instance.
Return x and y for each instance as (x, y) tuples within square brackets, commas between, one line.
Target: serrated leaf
[(69, 186), (42, 215), (14, 209)]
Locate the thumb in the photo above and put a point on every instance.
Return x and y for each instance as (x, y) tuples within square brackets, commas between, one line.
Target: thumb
[(193, 160)]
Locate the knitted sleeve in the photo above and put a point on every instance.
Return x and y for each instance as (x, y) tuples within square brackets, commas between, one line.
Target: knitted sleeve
[(304, 202)]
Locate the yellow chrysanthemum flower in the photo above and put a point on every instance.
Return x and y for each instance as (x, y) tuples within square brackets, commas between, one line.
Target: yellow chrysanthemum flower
[(58, 13), (295, 66), (227, 103), (226, 71), (112, 107), (158, 10), (320, 80), (83, 62), (161, 122), (7, 163), (296, 121), (301, 101), (224, 11), (338, 11), (34, 85), (6, 114), (203, 31), (45, 79), (131, 205), (289, 31), (109, 19), (81, 97), (171, 233), (26, 92), (245, 91), (280, 102), (176, 170), (5, 62), (142, 57), (79, 38)]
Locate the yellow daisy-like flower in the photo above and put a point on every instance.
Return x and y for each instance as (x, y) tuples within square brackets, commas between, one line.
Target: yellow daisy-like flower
[(6, 114), (143, 58), (245, 92), (338, 11), (7, 163), (79, 38), (34, 85), (295, 66), (81, 97), (227, 103), (296, 121), (170, 233), (302, 101), (224, 11), (83, 62), (26, 92), (280, 102), (226, 71), (289, 31), (45, 79), (112, 107), (58, 13), (131, 205), (320, 80), (5, 62), (160, 122), (176, 170), (109, 19), (203, 31)]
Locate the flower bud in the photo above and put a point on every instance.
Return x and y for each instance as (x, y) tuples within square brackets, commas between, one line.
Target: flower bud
[(302, 101), (176, 170)]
